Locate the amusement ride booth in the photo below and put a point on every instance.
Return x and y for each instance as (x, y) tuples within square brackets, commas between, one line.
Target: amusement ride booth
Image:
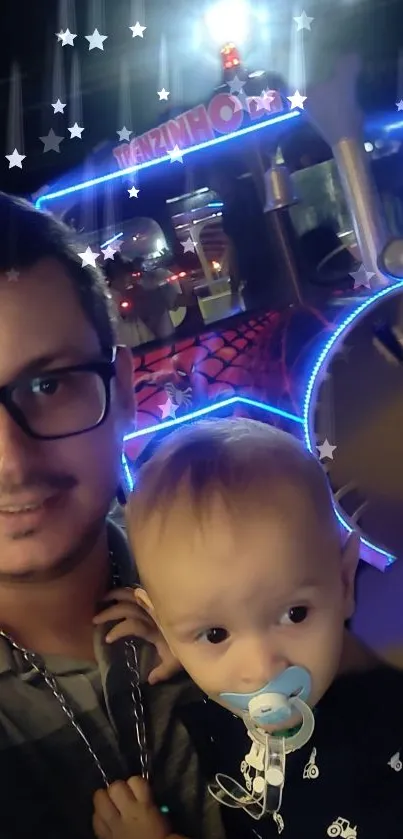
[(280, 292)]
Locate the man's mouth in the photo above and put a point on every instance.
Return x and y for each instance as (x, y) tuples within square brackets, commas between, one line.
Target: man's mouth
[(26, 507)]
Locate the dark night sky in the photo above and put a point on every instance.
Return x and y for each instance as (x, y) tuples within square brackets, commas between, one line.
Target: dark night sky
[(372, 27)]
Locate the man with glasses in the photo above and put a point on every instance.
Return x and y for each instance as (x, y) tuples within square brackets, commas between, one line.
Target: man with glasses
[(75, 712)]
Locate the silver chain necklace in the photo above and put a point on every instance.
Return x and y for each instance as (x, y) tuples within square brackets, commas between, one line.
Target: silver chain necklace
[(36, 662)]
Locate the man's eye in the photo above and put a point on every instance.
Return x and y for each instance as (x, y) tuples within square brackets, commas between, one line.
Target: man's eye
[(47, 386), (297, 614), (216, 635)]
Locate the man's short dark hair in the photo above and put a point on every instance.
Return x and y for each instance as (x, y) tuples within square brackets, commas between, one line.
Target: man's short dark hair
[(28, 235)]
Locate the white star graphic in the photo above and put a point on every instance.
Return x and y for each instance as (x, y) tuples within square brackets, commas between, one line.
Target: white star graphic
[(297, 101), (138, 30), (265, 99), (399, 105), (66, 38), (109, 253), (15, 159), (51, 142), (133, 192), (362, 277), (124, 134), (12, 276), (236, 85), (76, 131), (96, 41), (326, 450), (176, 154), (163, 94), (188, 246), (88, 257), (58, 107), (303, 21), (168, 409)]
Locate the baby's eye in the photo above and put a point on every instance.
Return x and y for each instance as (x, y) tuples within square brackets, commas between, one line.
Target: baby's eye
[(215, 635), (297, 614)]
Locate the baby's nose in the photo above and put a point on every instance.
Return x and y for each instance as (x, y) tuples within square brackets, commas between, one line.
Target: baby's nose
[(260, 664)]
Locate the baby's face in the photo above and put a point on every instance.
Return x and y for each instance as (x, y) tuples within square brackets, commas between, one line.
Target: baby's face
[(240, 601)]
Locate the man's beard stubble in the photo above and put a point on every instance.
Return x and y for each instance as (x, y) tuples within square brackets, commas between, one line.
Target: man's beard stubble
[(65, 563)]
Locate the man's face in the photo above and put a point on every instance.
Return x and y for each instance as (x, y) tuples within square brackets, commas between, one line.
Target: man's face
[(240, 601), (73, 480)]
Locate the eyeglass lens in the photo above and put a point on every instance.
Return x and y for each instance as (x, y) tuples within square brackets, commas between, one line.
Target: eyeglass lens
[(61, 403)]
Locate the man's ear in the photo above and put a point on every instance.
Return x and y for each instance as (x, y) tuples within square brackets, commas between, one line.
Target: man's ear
[(349, 559)]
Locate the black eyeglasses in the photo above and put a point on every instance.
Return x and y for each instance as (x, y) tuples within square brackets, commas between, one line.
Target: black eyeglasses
[(62, 402)]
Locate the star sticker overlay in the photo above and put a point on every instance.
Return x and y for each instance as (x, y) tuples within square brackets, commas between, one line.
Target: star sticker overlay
[(138, 30), (75, 131), (96, 41), (12, 276), (109, 253), (124, 134), (133, 192), (236, 85), (66, 38), (188, 246), (163, 94), (297, 101), (168, 409), (176, 154), (58, 107), (326, 450), (265, 99), (399, 105), (88, 258), (15, 159), (51, 142), (362, 278), (303, 21)]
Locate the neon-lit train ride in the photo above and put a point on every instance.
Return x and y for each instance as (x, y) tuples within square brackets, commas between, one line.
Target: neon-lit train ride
[(257, 304)]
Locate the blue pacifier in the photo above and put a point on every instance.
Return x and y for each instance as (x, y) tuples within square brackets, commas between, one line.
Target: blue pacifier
[(272, 704), (263, 768)]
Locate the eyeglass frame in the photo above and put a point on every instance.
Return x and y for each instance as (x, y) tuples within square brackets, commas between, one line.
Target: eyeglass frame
[(104, 368)]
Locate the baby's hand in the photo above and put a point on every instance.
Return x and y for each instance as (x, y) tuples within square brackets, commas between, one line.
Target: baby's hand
[(133, 620), (126, 811)]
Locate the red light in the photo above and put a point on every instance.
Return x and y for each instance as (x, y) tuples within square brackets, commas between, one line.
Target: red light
[(182, 274), (230, 57), (125, 304), (173, 277)]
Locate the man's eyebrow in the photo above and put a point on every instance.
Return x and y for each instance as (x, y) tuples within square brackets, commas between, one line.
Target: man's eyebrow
[(68, 356)]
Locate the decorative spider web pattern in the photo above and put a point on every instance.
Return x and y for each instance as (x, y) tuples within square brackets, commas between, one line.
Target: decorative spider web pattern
[(264, 357)]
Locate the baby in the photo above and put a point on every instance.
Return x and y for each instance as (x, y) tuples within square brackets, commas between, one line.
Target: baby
[(250, 580)]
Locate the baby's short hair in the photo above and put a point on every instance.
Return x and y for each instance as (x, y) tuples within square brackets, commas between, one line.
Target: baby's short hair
[(245, 463)]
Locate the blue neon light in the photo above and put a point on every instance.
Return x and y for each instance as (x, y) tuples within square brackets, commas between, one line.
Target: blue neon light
[(215, 406), (329, 350), (394, 126), (216, 204), (122, 173), (127, 474), (113, 239)]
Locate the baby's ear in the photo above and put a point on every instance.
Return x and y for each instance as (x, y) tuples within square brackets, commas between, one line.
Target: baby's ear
[(141, 597), (349, 558)]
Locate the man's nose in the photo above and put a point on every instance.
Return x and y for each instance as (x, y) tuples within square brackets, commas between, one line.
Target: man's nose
[(261, 663), (15, 446)]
